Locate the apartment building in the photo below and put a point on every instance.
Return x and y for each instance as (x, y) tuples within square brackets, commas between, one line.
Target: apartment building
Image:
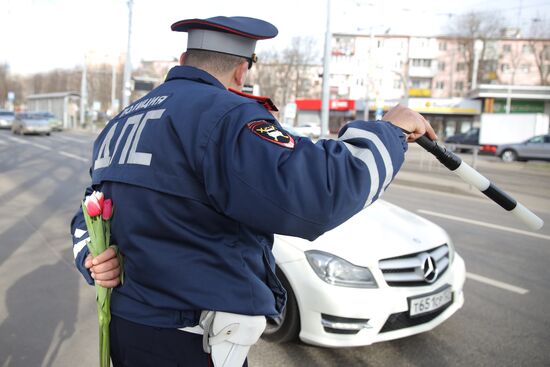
[(433, 75)]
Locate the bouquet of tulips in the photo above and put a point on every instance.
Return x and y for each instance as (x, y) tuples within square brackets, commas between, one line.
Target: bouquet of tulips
[(97, 213)]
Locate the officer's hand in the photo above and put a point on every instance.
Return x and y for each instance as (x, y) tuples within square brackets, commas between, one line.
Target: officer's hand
[(105, 268), (412, 122)]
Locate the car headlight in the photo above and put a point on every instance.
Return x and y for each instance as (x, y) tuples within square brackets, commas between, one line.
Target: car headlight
[(337, 271)]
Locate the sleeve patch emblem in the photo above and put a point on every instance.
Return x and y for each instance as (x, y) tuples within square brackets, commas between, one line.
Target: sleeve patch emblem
[(270, 132)]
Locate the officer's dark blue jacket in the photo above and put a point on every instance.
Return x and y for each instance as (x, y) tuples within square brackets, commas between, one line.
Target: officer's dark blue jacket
[(201, 178)]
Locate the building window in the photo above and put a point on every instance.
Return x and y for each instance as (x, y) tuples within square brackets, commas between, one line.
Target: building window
[(442, 46), (461, 47), (527, 49), (421, 83), (422, 62), (504, 68), (397, 84), (439, 85), (459, 86), (460, 66), (525, 68), (441, 66), (506, 48)]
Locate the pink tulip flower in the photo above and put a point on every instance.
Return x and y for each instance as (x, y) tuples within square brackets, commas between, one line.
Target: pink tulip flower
[(92, 206), (107, 209), (99, 196)]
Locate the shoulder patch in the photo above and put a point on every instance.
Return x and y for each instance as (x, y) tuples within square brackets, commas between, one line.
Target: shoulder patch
[(270, 132), (264, 101)]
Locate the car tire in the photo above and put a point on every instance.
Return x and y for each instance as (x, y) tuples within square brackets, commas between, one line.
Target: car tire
[(509, 155), (289, 327)]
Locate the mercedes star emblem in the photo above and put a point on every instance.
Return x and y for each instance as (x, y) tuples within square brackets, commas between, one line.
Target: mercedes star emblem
[(429, 268)]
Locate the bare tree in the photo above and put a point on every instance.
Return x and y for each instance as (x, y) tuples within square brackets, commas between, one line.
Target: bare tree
[(288, 74), (4, 70), (472, 26), (540, 46)]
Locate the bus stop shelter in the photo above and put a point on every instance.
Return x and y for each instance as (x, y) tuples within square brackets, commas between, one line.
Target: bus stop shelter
[(64, 105)]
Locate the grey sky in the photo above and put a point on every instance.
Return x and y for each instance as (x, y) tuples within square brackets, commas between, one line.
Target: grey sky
[(39, 35)]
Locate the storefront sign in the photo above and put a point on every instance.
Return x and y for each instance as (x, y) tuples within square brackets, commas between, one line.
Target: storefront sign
[(334, 105), (420, 92), (518, 106), (458, 106)]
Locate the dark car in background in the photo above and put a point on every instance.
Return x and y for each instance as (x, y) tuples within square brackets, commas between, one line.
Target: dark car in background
[(470, 137), (535, 148), (31, 123), (6, 119)]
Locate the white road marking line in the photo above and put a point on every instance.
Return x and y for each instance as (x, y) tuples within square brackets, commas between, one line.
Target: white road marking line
[(3, 142), (68, 138), (40, 146), (73, 156), (496, 283), (68, 155), (18, 140), (485, 224), (22, 141)]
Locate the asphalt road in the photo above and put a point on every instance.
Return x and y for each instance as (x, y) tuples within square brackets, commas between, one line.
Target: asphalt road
[(48, 316)]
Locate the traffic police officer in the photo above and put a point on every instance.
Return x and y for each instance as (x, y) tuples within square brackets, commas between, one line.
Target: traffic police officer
[(202, 177)]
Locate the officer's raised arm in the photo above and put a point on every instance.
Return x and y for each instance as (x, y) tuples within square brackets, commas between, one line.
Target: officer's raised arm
[(274, 181)]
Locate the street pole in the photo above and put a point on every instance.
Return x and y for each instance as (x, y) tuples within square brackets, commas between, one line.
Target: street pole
[(113, 88), (83, 91), (367, 79), (326, 78), (478, 46), (126, 90)]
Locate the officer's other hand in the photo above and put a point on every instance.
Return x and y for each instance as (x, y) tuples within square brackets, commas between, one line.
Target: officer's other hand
[(411, 121), (105, 268)]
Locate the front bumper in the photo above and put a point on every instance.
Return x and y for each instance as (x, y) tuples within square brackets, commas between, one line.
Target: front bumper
[(36, 130), (357, 317)]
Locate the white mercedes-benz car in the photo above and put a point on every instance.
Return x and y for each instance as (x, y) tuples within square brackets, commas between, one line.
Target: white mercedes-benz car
[(384, 274)]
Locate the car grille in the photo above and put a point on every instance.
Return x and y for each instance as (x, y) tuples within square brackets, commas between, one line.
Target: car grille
[(416, 269), (402, 320)]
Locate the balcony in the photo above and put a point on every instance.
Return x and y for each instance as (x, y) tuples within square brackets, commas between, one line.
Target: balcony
[(422, 72)]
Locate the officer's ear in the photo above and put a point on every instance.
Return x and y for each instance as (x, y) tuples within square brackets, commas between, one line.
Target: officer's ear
[(182, 58), (240, 73)]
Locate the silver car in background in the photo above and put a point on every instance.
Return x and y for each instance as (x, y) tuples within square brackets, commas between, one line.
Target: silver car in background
[(535, 148), (6, 119), (31, 123)]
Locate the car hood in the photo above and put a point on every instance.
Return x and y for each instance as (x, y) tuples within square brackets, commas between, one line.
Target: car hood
[(380, 231)]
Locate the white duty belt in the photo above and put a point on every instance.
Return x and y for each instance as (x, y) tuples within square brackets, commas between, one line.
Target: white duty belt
[(228, 336)]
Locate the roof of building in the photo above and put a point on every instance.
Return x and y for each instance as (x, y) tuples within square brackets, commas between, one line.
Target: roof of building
[(53, 95), (540, 93)]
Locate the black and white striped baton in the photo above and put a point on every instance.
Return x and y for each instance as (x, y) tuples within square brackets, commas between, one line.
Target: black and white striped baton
[(474, 178)]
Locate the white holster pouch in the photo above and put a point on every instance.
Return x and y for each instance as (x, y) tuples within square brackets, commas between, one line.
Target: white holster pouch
[(228, 336)]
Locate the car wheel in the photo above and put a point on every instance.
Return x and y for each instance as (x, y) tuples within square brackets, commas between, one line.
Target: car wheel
[(509, 155), (289, 327)]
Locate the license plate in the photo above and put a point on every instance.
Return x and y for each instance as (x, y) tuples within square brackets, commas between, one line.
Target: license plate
[(429, 303)]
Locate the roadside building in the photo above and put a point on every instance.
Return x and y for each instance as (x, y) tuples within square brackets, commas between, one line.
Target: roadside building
[(434, 75)]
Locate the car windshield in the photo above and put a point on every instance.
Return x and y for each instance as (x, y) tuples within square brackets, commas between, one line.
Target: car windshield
[(536, 139), (33, 118), (47, 115), (6, 114)]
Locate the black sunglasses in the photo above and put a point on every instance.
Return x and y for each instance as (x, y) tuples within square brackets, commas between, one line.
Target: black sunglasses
[(252, 60)]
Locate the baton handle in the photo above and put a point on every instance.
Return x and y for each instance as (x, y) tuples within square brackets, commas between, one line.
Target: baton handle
[(476, 179)]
